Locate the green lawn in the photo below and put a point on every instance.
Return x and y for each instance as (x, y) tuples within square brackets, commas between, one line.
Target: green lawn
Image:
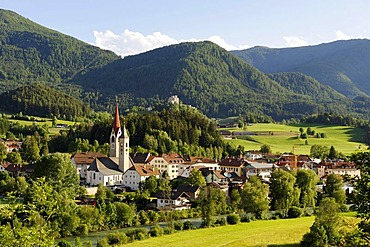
[(283, 138), (287, 232)]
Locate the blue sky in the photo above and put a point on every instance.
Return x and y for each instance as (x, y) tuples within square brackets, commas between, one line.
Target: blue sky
[(131, 27)]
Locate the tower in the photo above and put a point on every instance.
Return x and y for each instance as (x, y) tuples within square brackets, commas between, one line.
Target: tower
[(115, 135), (124, 152)]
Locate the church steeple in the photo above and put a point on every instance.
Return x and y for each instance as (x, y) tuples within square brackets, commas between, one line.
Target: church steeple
[(115, 134)]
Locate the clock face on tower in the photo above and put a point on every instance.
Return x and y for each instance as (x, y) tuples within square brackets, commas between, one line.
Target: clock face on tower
[(112, 145)]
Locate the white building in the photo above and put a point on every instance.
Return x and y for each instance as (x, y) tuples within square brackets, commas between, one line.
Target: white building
[(104, 170), (176, 200), (260, 169), (82, 161), (137, 174), (167, 163)]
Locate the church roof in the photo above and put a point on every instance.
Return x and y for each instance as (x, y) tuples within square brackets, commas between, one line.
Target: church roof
[(107, 166), (116, 123)]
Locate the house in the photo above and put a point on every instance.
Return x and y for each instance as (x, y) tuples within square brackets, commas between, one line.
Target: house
[(3, 166), (19, 169), (175, 200), (11, 145), (167, 163), (293, 162), (260, 169), (174, 99), (81, 161), (215, 176), (185, 169), (140, 158), (192, 191), (253, 155), (236, 165), (104, 170), (137, 174), (342, 168)]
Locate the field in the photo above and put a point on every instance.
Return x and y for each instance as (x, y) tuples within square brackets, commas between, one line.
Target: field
[(284, 138), (287, 232)]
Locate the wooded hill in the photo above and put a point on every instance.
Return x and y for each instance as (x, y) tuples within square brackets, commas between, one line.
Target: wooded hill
[(342, 65), (202, 74), (41, 100)]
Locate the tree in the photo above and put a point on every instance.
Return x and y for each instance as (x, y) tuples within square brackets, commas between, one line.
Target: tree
[(306, 182), (333, 188), (196, 178), (266, 149), (254, 197), (235, 199), (31, 150), (283, 190), (212, 201), (332, 153), (2, 152), (362, 193), (325, 230), (58, 166), (14, 157), (319, 151)]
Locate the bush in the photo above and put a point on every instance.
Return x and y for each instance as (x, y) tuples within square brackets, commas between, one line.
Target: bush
[(187, 225), (220, 222), (343, 208), (82, 229), (178, 226), (155, 231), (137, 234), (294, 212), (117, 238), (168, 230), (233, 219), (64, 243), (308, 211), (247, 217), (103, 243)]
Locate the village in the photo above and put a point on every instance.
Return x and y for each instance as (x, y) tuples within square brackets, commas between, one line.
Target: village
[(123, 171)]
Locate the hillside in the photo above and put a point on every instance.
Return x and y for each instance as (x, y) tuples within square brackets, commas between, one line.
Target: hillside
[(32, 53), (204, 75), (342, 65), (41, 100)]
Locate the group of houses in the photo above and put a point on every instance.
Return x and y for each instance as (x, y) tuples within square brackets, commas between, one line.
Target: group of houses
[(125, 171)]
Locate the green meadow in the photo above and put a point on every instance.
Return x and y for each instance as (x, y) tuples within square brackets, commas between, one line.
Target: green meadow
[(284, 138), (287, 232)]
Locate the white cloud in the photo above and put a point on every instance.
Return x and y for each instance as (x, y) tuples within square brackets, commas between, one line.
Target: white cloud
[(130, 43), (341, 36), (293, 41)]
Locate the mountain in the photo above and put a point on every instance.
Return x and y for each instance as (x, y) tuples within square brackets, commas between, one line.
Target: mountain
[(204, 75), (32, 53), (41, 100), (342, 65)]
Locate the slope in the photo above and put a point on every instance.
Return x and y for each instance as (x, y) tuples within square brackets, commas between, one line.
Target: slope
[(342, 65), (32, 53), (201, 74)]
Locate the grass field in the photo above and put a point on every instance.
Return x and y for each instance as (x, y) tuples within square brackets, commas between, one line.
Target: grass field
[(287, 232), (283, 138)]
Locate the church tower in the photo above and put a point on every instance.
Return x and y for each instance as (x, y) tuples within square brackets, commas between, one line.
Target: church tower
[(124, 153), (115, 135)]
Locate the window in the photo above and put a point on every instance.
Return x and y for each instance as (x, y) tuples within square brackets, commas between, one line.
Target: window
[(112, 139)]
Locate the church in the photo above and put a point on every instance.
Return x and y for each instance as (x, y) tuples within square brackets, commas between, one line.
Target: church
[(110, 170)]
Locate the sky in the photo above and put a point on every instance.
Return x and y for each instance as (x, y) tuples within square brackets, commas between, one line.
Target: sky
[(132, 27)]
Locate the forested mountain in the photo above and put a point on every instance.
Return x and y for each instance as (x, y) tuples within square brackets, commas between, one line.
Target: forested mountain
[(343, 65), (202, 74), (206, 76), (32, 53), (41, 100)]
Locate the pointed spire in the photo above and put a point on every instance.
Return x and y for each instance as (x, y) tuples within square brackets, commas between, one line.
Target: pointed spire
[(117, 123), (125, 135)]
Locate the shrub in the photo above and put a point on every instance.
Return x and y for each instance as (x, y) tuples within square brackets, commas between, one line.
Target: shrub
[(137, 234), (233, 219), (178, 226), (308, 211), (117, 238), (294, 212), (343, 208), (103, 243), (156, 231), (83, 229), (187, 225), (247, 217), (64, 243), (221, 222), (168, 230)]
